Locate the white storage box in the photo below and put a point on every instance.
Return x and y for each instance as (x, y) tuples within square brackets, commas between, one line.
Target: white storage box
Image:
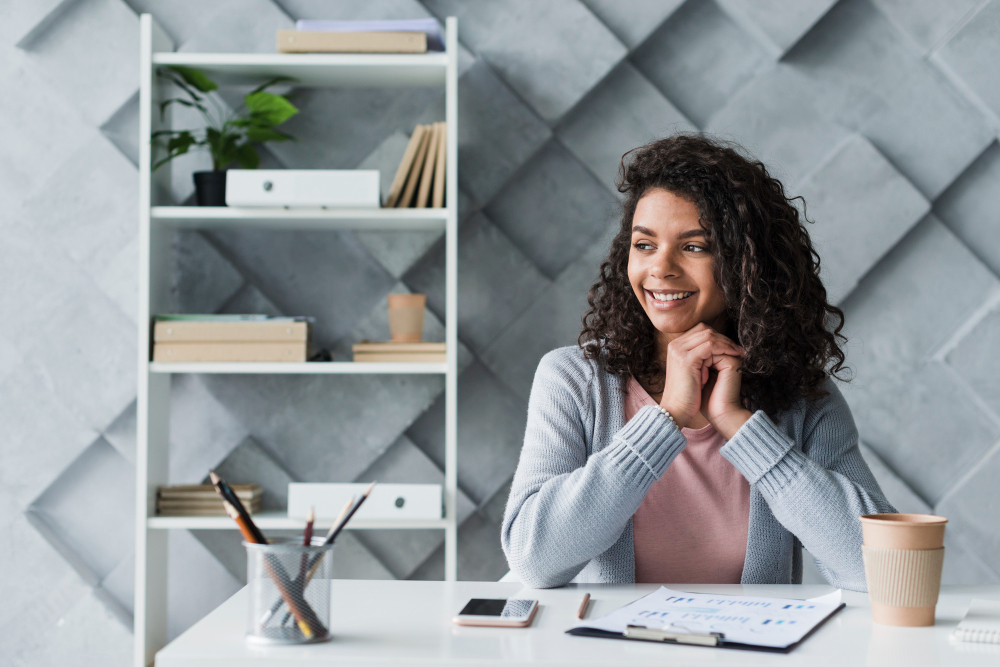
[(386, 501), (341, 188)]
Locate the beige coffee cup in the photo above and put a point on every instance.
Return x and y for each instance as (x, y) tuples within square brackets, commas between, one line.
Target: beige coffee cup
[(903, 556), (406, 317)]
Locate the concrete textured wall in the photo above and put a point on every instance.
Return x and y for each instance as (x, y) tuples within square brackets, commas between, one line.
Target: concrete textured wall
[(883, 114)]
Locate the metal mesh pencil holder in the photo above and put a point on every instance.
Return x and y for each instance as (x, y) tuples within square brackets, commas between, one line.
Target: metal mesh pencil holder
[(289, 592)]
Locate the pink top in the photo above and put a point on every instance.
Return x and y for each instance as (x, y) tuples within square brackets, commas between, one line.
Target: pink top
[(692, 526)]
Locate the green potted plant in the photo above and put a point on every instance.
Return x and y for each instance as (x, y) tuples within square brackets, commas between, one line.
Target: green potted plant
[(229, 136)]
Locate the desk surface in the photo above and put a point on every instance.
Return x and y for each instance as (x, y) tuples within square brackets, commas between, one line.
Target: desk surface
[(417, 630)]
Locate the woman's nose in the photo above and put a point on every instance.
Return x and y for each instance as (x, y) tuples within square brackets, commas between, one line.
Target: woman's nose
[(664, 266)]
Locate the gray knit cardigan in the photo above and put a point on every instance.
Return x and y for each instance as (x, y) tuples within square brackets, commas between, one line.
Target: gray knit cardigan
[(583, 473)]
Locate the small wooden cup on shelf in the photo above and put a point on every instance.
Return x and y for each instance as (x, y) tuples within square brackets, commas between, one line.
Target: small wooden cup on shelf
[(406, 317)]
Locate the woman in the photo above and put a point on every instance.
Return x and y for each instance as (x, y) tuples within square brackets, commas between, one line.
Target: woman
[(695, 435)]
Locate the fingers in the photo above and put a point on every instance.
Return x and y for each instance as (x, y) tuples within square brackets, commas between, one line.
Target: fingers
[(697, 335), (709, 348), (726, 362)]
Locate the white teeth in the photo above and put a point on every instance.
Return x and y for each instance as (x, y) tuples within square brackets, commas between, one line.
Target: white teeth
[(661, 296)]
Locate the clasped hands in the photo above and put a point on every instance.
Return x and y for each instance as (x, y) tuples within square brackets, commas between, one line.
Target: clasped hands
[(703, 375)]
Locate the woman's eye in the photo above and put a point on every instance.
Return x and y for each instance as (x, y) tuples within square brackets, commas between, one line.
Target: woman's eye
[(696, 247), (642, 245)]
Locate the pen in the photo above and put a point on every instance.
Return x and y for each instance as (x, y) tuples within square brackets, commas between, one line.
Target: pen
[(582, 611)]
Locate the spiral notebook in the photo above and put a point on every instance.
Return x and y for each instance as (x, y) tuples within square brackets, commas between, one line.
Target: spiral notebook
[(981, 623)]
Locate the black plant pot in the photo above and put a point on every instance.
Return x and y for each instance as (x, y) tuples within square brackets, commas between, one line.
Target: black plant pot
[(210, 188)]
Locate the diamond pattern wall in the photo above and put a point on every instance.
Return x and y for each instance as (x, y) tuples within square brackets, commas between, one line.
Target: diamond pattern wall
[(883, 114)]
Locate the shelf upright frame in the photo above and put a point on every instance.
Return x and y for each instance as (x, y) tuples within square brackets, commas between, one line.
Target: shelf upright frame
[(153, 395), (451, 304), (157, 224)]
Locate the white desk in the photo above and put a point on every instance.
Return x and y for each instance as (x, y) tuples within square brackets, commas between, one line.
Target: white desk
[(420, 632)]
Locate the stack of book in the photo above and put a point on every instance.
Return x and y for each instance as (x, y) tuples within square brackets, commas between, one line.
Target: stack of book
[(185, 338), (419, 180), (390, 351), (400, 36), (204, 500)]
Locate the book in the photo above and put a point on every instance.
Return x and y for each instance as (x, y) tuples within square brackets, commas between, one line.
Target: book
[(396, 189), (427, 173), (203, 499), (392, 346), (216, 503), (206, 512), (418, 161), (429, 26), (439, 168), (199, 491), (231, 351), (278, 329), (393, 352), (980, 624), (300, 41), (432, 357), (218, 317)]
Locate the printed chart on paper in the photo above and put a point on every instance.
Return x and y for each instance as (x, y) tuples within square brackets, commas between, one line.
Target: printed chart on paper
[(774, 622)]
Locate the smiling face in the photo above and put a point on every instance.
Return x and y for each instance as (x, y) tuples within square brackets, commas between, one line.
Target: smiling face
[(670, 266)]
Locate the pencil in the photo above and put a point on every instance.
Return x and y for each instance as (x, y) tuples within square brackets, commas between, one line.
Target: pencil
[(582, 611), (308, 533), (312, 569), (345, 515), (230, 496), (306, 618), (307, 536), (339, 526)]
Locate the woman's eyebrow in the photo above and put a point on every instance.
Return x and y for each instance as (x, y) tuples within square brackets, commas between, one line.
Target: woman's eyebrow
[(686, 235)]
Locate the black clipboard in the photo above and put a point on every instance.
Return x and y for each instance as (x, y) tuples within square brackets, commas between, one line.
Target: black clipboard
[(720, 639)]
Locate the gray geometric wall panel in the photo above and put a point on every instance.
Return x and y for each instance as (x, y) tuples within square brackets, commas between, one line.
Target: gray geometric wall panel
[(883, 114)]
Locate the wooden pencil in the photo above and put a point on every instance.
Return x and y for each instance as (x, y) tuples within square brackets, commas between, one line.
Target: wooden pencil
[(305, 617), (228, 495), (307, 536), (315, 564)]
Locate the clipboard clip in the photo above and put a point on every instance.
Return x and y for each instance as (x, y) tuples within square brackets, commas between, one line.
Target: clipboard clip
[(665, 635)]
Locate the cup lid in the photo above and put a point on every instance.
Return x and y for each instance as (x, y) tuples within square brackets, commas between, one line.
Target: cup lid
[(904, 519)]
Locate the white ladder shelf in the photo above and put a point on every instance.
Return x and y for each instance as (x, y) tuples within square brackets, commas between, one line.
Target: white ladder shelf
[(157, 223)]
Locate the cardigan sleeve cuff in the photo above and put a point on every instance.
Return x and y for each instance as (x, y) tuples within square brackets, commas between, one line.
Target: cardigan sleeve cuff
[(764, 454), (652, 438)]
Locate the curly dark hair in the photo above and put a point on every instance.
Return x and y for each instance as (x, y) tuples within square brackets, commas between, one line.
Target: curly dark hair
[(764, 263)]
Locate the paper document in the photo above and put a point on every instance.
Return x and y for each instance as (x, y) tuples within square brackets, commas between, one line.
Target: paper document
[(981, 623), (761, 621)]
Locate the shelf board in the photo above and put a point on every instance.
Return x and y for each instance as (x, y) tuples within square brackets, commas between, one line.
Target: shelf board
[(231, 217), (303, 368), (375, 70), (281, 521)]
